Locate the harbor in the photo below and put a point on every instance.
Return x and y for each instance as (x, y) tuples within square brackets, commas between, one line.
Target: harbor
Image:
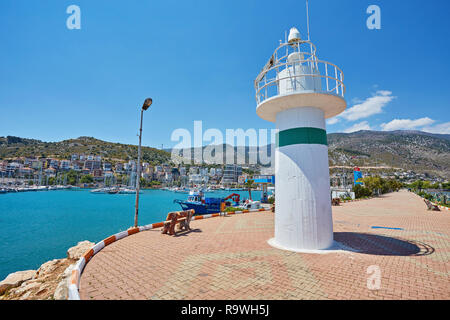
[(218, 156)]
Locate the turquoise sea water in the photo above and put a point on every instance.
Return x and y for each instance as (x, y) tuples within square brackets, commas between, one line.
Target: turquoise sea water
[(39, 226)]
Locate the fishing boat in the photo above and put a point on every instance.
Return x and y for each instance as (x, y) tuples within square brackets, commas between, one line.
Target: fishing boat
[(207, 205)]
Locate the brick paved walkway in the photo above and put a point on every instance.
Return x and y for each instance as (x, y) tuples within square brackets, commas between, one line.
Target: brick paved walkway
[(229, 258)]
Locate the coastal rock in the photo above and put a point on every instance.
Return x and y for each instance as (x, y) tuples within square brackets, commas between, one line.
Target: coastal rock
[(50, 281), (62, 290), (43, 290), (27, 286), (80, 249), (25, 296), (15, 279), (48, 267)]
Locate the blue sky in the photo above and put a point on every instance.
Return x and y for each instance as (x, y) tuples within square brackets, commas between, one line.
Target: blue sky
[(198, 60)]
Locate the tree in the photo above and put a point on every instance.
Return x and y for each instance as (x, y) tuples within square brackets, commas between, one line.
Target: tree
[(419, 184), (51, 181), (72, 176), (394, 185), (155, 183), (361, 191), (249, 185), (87, 179), (144, 183), (374, 184)]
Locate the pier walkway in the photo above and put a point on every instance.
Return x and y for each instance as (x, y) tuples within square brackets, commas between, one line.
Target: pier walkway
[(229, 258)]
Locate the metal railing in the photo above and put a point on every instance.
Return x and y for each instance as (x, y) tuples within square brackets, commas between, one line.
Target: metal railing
[(281, 71)]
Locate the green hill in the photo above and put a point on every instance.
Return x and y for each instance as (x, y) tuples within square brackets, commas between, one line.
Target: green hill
[(13, 147)]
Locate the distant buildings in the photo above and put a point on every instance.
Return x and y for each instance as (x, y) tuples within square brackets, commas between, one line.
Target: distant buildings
[(92, 164), (119, 167), (231, 174), (51, 172), (167, 174), (97, 173), (198, 179), (107, 166), (65, 165)]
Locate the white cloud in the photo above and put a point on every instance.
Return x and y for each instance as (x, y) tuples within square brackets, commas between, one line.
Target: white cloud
[(332, 121), (443, 128), (358, 127), (357, 101), (368, 107), (406, 124), (423, 124), (384, 92)]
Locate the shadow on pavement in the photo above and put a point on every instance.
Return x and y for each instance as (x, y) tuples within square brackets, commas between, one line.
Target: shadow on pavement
[(367, 243), (185, 233)]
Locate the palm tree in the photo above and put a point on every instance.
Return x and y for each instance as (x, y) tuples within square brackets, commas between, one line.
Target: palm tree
[(249, 185)]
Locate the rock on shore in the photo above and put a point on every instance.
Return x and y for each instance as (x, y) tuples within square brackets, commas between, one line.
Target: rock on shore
[(50, 281)]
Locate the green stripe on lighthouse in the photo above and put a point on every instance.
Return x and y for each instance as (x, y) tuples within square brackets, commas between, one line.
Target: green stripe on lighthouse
[(301, 136)]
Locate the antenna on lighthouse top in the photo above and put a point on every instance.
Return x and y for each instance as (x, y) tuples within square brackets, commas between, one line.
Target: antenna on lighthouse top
[(307, 18)]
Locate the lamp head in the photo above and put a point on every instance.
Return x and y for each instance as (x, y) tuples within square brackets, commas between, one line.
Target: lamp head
[(147, 103), (294, 35)]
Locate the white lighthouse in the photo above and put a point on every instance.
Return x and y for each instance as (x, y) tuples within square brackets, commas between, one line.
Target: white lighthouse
[(297, 92)]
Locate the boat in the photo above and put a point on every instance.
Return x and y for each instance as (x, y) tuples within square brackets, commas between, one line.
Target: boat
[(100, 190), (128, 191), (206, 205), (115, 190), (180, 190)]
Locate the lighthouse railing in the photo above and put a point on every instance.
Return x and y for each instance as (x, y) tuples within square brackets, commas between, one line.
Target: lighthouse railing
[(268, 85)]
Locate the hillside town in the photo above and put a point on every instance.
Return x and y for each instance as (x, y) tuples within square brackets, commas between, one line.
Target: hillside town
[(94, 171)]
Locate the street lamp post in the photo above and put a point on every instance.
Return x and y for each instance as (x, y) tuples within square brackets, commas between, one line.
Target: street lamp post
[(145, 106)]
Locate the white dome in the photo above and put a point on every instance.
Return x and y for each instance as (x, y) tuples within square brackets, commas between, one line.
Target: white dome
[(294, 35)]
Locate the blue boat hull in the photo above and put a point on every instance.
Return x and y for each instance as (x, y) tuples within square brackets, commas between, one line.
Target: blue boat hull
[(199, 208)]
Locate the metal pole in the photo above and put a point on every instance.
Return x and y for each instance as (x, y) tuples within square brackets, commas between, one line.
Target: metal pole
[(307, 19), (138, 173)]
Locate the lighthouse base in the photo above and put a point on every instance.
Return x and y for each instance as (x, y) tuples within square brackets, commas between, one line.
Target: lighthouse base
[(303, 217), (335, 247)]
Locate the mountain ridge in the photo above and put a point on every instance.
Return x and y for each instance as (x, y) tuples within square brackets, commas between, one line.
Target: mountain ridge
[(411, 150)]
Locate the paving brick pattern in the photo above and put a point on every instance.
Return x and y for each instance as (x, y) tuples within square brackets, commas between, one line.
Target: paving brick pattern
[(229, 258)]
